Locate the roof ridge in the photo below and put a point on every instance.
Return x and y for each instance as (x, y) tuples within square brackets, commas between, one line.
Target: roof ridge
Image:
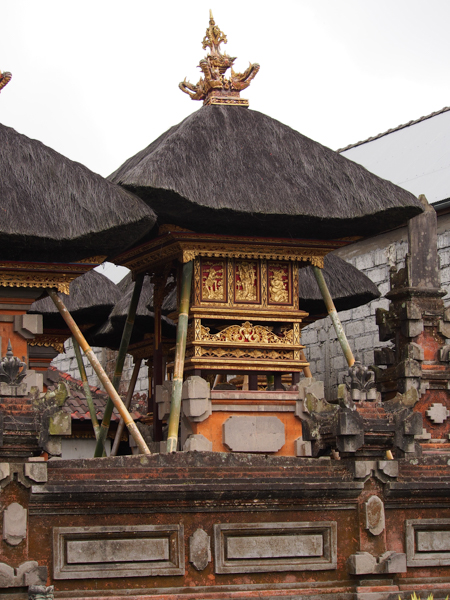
[(380, 135)]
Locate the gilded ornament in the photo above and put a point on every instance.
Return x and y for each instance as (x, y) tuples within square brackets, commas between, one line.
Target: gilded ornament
[(246, 278), (214, 87), (213, 280), (277, 288), (247, 333), (5, 78)]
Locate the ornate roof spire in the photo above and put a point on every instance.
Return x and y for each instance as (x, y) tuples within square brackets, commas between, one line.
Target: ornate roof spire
[(4, 79), (213, 87)]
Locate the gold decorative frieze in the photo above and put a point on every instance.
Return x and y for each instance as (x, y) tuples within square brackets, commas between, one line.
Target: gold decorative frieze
[(184, 246), (244, 334), (241, 353), (50, 341), (42, 275)]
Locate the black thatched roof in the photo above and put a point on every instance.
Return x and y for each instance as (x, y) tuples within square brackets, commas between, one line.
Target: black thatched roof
[(57, 210), (92, 297), (348, 287), (227, 169), (109, 333)]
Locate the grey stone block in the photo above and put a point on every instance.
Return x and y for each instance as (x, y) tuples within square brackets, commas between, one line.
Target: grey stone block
[(302, 448), (28, 325), (361, 563), (197, 409), (392, 562), (14, 524), (162, 395), (195, 387), (4, 470), (37, 471), (200, 549), (253, 434), (197, 442), (7, 577)]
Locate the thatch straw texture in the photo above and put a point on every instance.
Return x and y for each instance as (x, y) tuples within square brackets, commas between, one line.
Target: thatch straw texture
[(92, 297), (109, 333), (348, 287), (54, 209), (237, 171)]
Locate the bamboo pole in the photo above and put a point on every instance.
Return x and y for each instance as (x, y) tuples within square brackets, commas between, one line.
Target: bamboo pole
[(86, 388), (132, 385), (124, 342), (175, 401), (334, 316), (103, 377)]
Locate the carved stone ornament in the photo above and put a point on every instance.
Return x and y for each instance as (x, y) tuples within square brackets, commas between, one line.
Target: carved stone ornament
[(214, 87), (40, 592), (438, 413), (199, 549), (5, 78), (12, 369), (360, 382)]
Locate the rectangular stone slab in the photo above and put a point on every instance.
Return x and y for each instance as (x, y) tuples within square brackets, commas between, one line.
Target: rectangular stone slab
[(275, 546), (433, 541), (104, 551)]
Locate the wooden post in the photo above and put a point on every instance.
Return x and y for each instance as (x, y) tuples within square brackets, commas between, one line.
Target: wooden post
[(110, 390), (180, 351), (334, 316), (120, 426), (87, 391), (159, 286), (124, 342)]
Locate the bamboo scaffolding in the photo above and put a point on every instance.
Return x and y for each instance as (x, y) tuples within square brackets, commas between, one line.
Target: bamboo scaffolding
[(334, 316), (132, 385), (86, 388), (175, 401), (103, 377), (123, 348)]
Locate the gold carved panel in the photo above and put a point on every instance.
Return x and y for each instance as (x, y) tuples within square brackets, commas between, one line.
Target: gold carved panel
[(279, 283), (213, 281), (247, 282)]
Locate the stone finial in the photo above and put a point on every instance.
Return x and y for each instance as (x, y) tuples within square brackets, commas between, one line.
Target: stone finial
[(12, 369), (361, 382)]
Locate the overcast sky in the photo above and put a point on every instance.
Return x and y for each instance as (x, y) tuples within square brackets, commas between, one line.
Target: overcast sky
[(97, 80)]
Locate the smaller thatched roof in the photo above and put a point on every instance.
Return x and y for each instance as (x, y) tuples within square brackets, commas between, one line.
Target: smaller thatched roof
[(57, 210), (231, 170), (109, 333), (348, 287), (92, 297)]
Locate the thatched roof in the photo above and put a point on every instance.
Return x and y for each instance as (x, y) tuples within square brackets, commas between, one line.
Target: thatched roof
[(348, 287), (110, 332), (92, 297), (57, 210), (231, 170)]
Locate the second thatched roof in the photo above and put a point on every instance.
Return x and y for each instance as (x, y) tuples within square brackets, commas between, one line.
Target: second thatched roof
[(56, 210), (231, 170)]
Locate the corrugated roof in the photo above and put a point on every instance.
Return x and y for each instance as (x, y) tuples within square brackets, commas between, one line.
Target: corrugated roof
[(415, 156)]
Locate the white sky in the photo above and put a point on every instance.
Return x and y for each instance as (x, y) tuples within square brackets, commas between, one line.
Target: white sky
[(97, 80)]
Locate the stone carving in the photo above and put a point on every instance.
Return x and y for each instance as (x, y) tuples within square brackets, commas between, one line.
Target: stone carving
[(438, 413), (12, 369), (14, 524), (40, 592), (197, 442), (200, 549), (361, 382), (363, 563), (28, 573), (375, 521)]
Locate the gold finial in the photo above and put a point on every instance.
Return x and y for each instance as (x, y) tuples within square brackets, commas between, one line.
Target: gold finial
[(4, 79), (213, 87)]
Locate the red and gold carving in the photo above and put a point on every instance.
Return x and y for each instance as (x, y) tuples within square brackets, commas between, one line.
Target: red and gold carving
[(279, 282), (213, 281), (246, 277)]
